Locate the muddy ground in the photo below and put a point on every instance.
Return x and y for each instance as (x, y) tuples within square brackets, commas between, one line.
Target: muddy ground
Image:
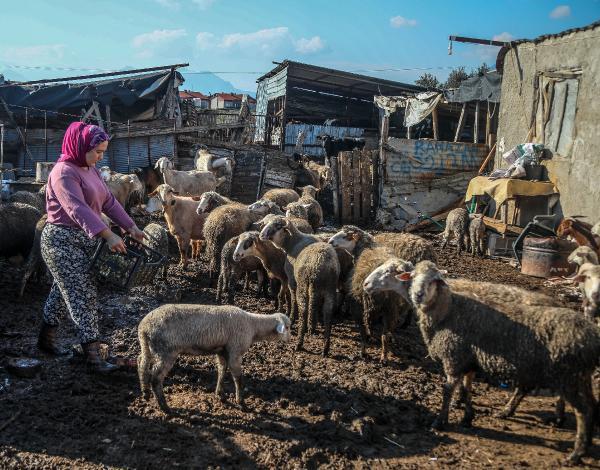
[(304, 410)]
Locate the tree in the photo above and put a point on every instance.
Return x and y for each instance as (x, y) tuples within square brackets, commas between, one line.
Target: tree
[(481, 70), (428, 81), (456, 76)]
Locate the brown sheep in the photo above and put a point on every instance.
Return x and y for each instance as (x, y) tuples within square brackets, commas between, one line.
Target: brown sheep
[(315, 212), (407, 246), (272, 258), (316, 271), (232, 269), (182, 220), (363, 308)]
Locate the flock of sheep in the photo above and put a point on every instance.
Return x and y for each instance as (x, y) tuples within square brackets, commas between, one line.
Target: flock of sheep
[(503, 332)]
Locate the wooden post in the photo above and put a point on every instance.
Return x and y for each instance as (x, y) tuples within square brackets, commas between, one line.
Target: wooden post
[(408, 132), (333, 161), (108, 121), (46, 134), (461, 122), (476, 124), (385, 128), (128, 153), (356, 186), (345, 185), (434, 118), (1, 157), (488, 121)]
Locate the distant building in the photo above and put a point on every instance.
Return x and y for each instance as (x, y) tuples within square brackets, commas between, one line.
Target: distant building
[(200, 100), (230, 101)]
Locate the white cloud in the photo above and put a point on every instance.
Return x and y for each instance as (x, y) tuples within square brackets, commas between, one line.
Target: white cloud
[(504, 37), (44, 53), (262, 38), (159, 36), (172, 4), (400, 22), (309, 46), (205, 40), (561, 11), (204, 4)]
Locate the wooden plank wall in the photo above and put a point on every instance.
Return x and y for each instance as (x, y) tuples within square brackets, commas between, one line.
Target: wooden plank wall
[(355, 173)]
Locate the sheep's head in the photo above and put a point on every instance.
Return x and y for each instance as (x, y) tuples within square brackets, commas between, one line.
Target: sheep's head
[(589, 275), (105, 173), (208, 201), (261, 207), (282, 328), (426, 280), (163, 164), (583, 254), (297, 209), (245, 246), (275, 230), (348, 237), (395, 275), (310, 191), (165, 194)]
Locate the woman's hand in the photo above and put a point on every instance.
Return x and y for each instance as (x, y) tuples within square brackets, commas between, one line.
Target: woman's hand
[(116, 244), (137, 234)]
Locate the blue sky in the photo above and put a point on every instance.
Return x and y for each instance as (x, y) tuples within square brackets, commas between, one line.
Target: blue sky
[(246, 36)]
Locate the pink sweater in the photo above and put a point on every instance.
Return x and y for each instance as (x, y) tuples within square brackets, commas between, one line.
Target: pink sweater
[(76, 197)]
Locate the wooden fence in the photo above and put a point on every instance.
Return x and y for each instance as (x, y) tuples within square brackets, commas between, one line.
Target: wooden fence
[(353, 186)]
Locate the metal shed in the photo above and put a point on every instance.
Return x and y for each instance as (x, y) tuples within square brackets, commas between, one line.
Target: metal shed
[(309, 94)]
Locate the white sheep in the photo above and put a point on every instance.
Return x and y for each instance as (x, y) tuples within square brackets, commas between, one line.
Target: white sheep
[(187, 183), (225, 331)]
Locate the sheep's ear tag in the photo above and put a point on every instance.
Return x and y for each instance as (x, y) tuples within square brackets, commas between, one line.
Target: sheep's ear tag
[(403, 276), (280, 328)]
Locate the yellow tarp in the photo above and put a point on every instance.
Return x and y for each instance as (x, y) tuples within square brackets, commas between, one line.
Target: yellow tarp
[(505, 188)]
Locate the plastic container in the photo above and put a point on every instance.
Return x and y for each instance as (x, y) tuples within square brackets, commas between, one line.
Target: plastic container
[(546, 257), (135, 268)]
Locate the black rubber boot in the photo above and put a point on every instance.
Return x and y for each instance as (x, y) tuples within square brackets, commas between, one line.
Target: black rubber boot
[(47, 341), (94, 361)]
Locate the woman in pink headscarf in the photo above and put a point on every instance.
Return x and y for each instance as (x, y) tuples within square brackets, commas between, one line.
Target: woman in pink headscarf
[(76, 196)]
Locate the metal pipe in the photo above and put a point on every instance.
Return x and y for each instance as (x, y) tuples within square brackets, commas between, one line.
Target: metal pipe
[(46, 134), (1, 157)]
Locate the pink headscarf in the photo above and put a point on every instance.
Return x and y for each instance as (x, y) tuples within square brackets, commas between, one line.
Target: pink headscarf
[(79, 139)]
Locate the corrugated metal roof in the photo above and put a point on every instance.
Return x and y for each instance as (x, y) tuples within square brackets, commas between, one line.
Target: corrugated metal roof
[(504, 50), (331, 80)]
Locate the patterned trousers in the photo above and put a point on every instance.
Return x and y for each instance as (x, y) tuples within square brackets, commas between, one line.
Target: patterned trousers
[(67, 252)]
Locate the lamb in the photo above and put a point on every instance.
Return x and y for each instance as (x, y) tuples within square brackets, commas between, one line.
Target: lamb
[(457, 225), (187, 183), (226, 331), (297, 209), (589, 277), (222, 224), (219, 166), (157, 239), (232, 270), (210, 200), (281, 196), (363, 308), (36, 200), (583, 254), (477, 234), (315, 212), (272, 258), (182, 220), (316, 272), (550, 347)]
